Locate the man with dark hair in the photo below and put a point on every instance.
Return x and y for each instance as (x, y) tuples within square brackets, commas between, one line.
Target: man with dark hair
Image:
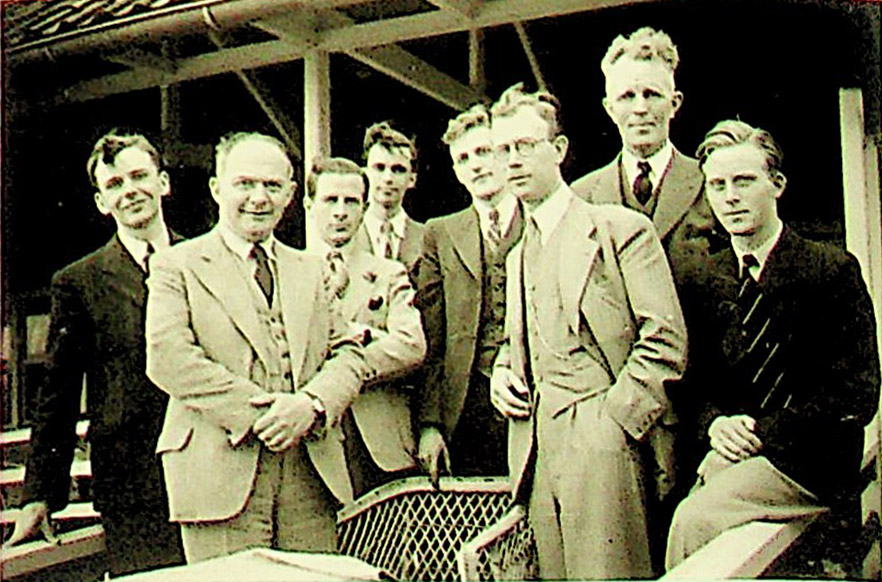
[(788, 368), (97, 330), (241, 336), (462, 296), (391, 167), (593, 335), (374, 298)]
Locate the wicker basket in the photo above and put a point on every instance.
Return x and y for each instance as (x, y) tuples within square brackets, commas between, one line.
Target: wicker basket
[(414, 532)]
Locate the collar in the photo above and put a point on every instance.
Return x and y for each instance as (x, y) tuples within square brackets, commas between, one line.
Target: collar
[(549, 214), (761, 253), (321, 248), (373, 222), (137, 247), (242, 248), (658, 163), (506, 207)]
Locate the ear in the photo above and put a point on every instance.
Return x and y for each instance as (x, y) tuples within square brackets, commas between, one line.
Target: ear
[(307, 203), (164, 183), (413, 179), (561, 144), (212, 187), (99, 202), (608, 109), (677, 102), (780, 182)]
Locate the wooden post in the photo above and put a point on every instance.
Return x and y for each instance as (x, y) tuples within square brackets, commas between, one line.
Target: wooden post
[(477, 80), (316, 115)]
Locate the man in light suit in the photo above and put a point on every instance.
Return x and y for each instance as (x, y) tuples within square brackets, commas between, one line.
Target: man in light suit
[(788, 358), (462, 296), (650, 175), (593, 334), (387, 231), (240, 334), (374, 298)]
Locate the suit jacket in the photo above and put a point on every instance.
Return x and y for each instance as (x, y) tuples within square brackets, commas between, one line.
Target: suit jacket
[(616, 281), (207, 349), (812, 429), (449, 294), (408, 252), (682, 217), (378, 303), (97, 329)]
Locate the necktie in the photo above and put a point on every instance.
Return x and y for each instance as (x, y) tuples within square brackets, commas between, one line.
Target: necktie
[(387, 234), (643, 185), (262, 274), (147, 254), (494, 231), (336, 277), (530, 259)]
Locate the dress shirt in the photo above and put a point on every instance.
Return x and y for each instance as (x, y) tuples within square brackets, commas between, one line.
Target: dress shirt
[(373, 223), (137, 247), (761, 253), (242, 249), (551, 211), (506, 208), (658, 162)]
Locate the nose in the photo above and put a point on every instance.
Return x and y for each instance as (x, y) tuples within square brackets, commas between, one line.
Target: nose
[(259, 194), (338, 210), (641, 104), (730, 194)]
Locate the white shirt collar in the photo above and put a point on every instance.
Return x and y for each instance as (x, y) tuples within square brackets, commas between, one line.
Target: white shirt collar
[(242, 248), (551, 211), (373, 223), (137, 247), (506, 207), (761, 253), (658, 163), (321, 248)]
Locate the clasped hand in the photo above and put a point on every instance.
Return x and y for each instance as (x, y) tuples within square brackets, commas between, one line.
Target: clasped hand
[(508, 394), (734, 437), (288, 418)]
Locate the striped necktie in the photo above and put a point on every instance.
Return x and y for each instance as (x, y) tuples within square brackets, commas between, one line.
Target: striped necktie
[(262, 273), (642, 184)]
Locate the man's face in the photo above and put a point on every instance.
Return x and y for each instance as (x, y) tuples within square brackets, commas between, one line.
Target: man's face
[(252, 188), (338, 207), (390, 174), (130, 188), (530, 158), (476, 165), (741, 193), (641, 101)]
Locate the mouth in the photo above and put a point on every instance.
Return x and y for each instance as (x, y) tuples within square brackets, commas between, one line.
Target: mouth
[(735, 214), (134, 206), (258, 214), (519, 178)]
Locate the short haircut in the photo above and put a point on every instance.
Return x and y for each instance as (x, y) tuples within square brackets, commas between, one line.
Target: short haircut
[(231, 140), (112, 143), (382, 133), (646, 44), (731, 132), (322, 165), (545, 104), (475, 116)]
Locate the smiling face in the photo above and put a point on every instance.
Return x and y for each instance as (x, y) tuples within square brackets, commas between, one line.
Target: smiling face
[(530, 156), (338, 207), (130, 188), (641, 101), (476, 165), (390, 174), (252, 188), (741, 192)]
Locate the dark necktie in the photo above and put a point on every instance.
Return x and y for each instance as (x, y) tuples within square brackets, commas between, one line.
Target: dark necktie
[(336, 277), (642, 184), (388, 233), (494, 231), (147, 254), (532, 247), (262, 274)]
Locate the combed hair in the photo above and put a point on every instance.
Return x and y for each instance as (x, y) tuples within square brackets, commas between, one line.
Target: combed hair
[(731, 132), (646, 44), (231, 140), (382, 133), (112, 143), (475, 116), (324, 165), (545, 104)]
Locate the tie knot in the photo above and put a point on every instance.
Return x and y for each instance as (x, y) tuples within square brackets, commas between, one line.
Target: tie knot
[(258, 253), (493, 215), (386, 227), (749, 260), (644, 167)]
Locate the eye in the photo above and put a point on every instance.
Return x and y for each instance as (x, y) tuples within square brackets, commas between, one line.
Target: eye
[(651, 94), (744, 181), (715, 185), (503, 149), (378, 167), (113, 184), (398, 169), (245, 183), (482, 151), (139, 175), (627, 96), (273, 187), (462, 159)]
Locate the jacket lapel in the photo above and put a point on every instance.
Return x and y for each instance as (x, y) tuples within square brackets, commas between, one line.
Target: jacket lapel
[(360, 288), (411, 244), (577, 261), (608, 187), (122, 273), (218, 272), (466, 236), (679, 190), (298, 286)]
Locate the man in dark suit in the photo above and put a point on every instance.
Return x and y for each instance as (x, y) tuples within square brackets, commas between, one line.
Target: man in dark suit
[(650, 175), (375, 300), (593, 335), (97, 330), (240, 334), (462, 296), (387, 231), (788, 367)]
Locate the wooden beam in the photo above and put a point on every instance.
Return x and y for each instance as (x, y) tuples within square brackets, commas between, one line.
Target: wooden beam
[(464, 8), (136, 58), (35, 556), (198, 67), (316, 121), (477, 80), (531, 56)]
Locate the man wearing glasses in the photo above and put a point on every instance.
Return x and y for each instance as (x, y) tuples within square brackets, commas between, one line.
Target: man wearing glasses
[(593, 334)]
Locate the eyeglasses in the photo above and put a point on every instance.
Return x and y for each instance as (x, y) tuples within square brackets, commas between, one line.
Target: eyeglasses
[(525, 147)]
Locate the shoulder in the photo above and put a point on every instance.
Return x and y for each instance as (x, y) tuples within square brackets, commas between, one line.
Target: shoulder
[(584, 186), (84, 266), (819, 260), (440, 224), (615, 217)]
